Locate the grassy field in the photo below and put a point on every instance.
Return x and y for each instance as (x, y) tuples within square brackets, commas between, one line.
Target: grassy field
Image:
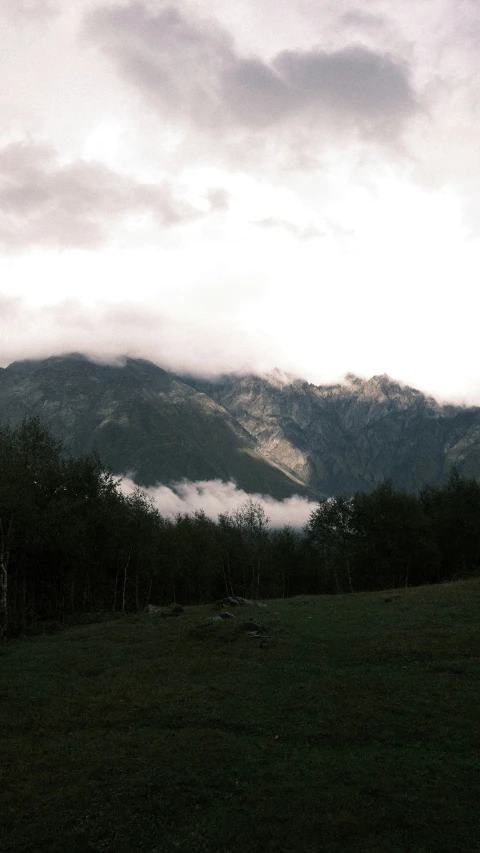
[(351, 724)]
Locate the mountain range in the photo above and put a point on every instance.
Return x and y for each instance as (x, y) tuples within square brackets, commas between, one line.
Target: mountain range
[(270, 434)]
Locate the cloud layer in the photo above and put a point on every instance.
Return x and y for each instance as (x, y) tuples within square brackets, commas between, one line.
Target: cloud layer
[(31, 9), (214, 497), (44, 202), (111, 331), (190, 70), (243, 185)]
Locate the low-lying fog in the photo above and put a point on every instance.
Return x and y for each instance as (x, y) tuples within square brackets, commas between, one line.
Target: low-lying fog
[(215, 497)]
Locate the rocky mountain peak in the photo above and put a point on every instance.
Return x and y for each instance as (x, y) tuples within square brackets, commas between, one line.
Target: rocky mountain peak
[(143, 421), (274, 434), (381, 380), (278, 378)]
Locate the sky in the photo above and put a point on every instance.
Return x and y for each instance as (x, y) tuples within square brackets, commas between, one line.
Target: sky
[(239, 186)]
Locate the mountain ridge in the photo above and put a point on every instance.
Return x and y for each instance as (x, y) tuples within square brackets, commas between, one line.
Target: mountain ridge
[(273, 434), (142, 420), (353, 436)]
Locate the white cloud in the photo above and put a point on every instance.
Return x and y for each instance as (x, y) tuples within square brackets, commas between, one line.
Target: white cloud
[(214, 497), (307, 200), (25, 10), (44, 202)]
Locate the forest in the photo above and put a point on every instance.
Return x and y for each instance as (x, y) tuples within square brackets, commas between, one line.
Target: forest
[(72, 545)]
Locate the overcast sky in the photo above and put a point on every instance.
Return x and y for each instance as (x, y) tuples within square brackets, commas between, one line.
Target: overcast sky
[(243, 185)]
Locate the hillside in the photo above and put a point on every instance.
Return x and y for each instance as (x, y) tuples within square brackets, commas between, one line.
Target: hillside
[(353, 436), (270, 434), (142, 420), (348, 724)]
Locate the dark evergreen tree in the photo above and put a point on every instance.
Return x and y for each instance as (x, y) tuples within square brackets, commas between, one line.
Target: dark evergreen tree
[(453, 513), (393, 546)]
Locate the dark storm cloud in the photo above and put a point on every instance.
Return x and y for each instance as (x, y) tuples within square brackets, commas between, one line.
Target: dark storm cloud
[(191, 69), (48, 203)]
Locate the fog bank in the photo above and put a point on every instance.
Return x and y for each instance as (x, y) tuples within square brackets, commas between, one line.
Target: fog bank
[(215, 497)]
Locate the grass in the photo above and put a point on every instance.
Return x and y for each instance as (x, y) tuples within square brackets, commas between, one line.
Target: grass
[(353, 725)]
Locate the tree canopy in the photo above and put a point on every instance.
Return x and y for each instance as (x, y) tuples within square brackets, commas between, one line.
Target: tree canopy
[(72, 542)]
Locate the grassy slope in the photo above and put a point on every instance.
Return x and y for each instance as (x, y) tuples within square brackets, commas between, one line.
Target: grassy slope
[(356, 728)]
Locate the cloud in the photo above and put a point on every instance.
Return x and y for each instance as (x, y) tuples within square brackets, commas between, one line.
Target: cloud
[(309, 232), (191, 72), (368, 88), (109, 331), (363, 20), (106, 332), (31, 9), (214, 497), (46, 202), (187, 345)]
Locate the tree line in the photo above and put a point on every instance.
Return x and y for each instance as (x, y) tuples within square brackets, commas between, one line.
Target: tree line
[(72, 543)]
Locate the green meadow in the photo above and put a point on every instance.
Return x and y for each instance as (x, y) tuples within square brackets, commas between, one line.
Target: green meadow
[(344, 724)]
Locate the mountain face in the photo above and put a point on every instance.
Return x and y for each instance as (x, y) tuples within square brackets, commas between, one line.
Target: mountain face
[(143, 421), (269, 434), (354, 436)]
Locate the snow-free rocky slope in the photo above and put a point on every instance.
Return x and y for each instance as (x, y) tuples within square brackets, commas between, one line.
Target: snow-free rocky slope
[(269, 434), (143, 421), (353, 436)]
